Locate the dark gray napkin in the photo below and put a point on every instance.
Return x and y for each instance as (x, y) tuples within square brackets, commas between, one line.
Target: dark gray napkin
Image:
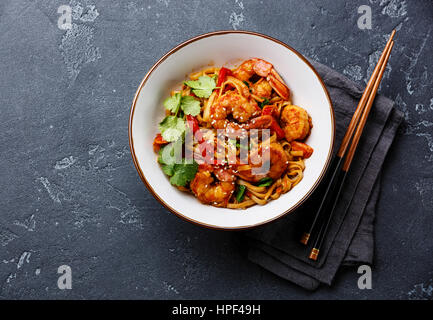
[(349, 240)]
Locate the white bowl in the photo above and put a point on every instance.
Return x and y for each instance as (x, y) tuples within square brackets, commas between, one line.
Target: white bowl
[(228, 48)]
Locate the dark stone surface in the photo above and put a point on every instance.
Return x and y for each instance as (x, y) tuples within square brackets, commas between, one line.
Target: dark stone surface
[(70, 193)]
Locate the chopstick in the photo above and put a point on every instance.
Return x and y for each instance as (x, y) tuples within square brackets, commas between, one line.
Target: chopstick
[(349, 157), (337, 160)]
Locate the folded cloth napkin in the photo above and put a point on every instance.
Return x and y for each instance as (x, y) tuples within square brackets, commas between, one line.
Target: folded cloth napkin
[(349, 241)]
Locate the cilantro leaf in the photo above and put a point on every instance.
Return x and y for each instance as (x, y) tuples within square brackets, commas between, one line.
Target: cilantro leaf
[(180, 170), (168, 169), (203, 86), (183, 173), (171, 153), (172, 103), (190, 105), (172, 128), (165, 155)]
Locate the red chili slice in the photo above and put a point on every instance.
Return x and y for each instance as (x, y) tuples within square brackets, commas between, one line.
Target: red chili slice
[(267, 110), (193, 125), (224, 72), (276, 127), (158, 142), (270, 110)]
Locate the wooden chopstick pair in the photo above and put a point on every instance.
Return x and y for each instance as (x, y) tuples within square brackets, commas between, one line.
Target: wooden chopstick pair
[(343, 159)]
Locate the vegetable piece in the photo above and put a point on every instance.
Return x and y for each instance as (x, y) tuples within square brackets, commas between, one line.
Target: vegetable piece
[(300, 146), (172, 128), (202, 87), (167, 153), (239, 145), (224, 72), (269, 110), (240, 194), (193, 125), (183, 173), (234, 142), (158, 142), (277, 129), (264, 103), (265, 182), (180, 171), (168, 169), (190, 106), (172, 103)]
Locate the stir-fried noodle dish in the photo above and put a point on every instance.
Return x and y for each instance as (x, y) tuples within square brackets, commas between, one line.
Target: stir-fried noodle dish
[(232, 137)]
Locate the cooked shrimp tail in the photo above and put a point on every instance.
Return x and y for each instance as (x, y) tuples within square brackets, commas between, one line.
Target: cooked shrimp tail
[(263, 69)]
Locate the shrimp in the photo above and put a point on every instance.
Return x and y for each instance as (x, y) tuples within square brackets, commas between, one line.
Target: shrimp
[(244, 111), (278, 165), (264, 69), (238, 106), (262, 88), (208, 190), (262, 122), (296, 123), (232, 81), (305, 148)]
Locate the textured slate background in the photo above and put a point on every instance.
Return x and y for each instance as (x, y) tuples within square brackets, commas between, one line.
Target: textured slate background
[(69, 193)]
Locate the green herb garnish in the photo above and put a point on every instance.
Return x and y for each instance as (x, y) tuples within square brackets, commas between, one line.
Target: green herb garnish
[(240, 194), (167, 154), (190, 106), (173, 103), (168, 169), (265, 182), (187, 104), (264, 103), (180, 173), (202, 87), (172, 128), (239, 145), (183, 173), (234, 142)]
